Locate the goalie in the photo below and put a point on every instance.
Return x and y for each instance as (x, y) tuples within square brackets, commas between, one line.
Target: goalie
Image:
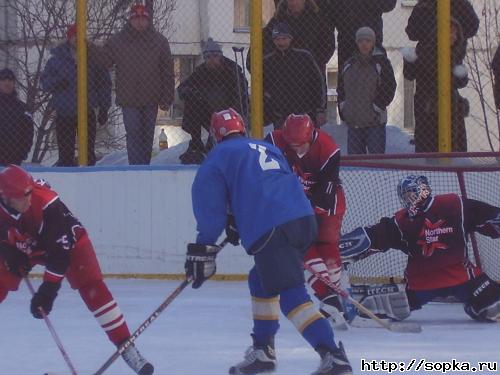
[(433, 232)]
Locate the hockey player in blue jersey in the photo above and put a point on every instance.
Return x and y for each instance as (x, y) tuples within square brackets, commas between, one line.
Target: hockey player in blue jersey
[(270, 212)]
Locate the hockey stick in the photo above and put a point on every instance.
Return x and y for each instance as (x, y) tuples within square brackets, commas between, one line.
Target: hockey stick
[(150, 319), (52, 330), (394, 327)]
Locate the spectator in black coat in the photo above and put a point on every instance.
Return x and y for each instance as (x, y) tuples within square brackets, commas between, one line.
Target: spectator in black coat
[(350, 15), (293, 82), (16, 124), (212, 87), (495, 66), (422, 67), (366, 87)]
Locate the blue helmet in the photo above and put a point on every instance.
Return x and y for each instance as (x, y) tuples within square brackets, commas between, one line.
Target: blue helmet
[(414, 192)]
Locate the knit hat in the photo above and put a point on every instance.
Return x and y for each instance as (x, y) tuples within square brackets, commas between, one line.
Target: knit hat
[(365, 33), (7, 74), (71, 31), (211, 47), (281, 30), (138, 10)]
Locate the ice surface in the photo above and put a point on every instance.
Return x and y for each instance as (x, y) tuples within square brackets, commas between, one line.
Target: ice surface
[(205, 331)]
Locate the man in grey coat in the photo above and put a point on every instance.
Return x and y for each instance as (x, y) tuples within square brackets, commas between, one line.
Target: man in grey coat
[(144, 79), (366, 87)]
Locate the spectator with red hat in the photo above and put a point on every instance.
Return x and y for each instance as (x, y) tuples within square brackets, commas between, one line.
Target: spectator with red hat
[(144, 79), (59, 78)]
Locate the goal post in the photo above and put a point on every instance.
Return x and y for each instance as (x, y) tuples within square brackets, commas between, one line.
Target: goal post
[(370, 187)]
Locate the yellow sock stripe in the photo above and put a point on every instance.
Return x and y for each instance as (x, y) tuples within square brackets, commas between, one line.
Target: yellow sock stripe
[(303, 315), (266, 308)]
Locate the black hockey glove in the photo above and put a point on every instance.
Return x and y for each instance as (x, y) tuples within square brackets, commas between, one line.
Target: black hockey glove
[(15, 260), (233, 237), (44, 299), (200, 263)]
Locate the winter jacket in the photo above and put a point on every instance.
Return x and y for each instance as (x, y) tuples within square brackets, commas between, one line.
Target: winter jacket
[(365, 88), (424, 72), (495, 66), (422, 25), (293, 83), (310, 31), (16, 130), (59, 78), (349, 15), (144, 67), (217, 88)]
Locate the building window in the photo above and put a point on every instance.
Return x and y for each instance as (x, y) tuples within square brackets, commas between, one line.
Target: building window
[(242, 14)]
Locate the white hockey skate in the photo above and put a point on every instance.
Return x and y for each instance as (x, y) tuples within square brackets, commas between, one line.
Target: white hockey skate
[(137, 362), (331, 308), (259, 359)]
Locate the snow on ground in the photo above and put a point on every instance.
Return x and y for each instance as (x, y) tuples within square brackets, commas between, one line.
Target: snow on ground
[(398, 142), (207, 330)]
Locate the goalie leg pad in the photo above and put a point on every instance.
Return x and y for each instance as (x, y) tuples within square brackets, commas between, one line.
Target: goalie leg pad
[(484, 302), (385, 300)]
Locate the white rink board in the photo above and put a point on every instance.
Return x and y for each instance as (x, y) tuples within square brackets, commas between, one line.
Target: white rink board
[(139, 220)]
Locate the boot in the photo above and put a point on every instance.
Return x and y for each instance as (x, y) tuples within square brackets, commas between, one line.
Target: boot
[(259, 359), (332, 309), (136, 361), (194, 154), (333, 362)]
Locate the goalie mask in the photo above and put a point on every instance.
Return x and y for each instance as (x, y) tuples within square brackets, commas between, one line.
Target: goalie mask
[(414, 192)]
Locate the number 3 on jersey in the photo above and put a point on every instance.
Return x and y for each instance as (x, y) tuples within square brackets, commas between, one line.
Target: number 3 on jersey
[(266, 162)]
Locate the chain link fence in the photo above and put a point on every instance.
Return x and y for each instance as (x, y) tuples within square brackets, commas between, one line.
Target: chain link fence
[(364, 70)]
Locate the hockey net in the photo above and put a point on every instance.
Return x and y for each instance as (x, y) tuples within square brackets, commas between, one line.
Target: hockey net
[(370, 188)]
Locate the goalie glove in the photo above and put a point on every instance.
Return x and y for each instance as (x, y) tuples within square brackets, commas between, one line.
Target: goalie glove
[(384, 300), (200, 263)]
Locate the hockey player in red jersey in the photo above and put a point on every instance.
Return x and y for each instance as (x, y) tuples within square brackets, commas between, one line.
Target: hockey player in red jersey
[(315, 158), (36, 227), (433, 232)]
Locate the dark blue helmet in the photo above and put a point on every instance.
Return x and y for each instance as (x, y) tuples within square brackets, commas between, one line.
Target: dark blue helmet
[(414, 192)]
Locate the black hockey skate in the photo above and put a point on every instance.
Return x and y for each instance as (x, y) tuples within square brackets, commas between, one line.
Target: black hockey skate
[(333, 362), (259, 359), (137, 362)]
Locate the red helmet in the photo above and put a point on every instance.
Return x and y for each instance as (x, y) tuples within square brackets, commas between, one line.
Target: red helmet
[(15, 182), (298, 129), (226, 122)]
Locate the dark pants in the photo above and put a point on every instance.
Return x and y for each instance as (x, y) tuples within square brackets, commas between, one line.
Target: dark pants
[(363, 140), (426, 123), (279, 255), (197, 114), (140, 128), (66, 129)]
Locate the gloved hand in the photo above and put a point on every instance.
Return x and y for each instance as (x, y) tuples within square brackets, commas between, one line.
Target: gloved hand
[(102, 117), (44, 298), (15, 260), (200, 263), (232, 234)]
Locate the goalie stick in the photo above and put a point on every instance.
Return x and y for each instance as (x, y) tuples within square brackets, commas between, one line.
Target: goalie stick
[(150, 319), (52, 330), (394, 327)]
